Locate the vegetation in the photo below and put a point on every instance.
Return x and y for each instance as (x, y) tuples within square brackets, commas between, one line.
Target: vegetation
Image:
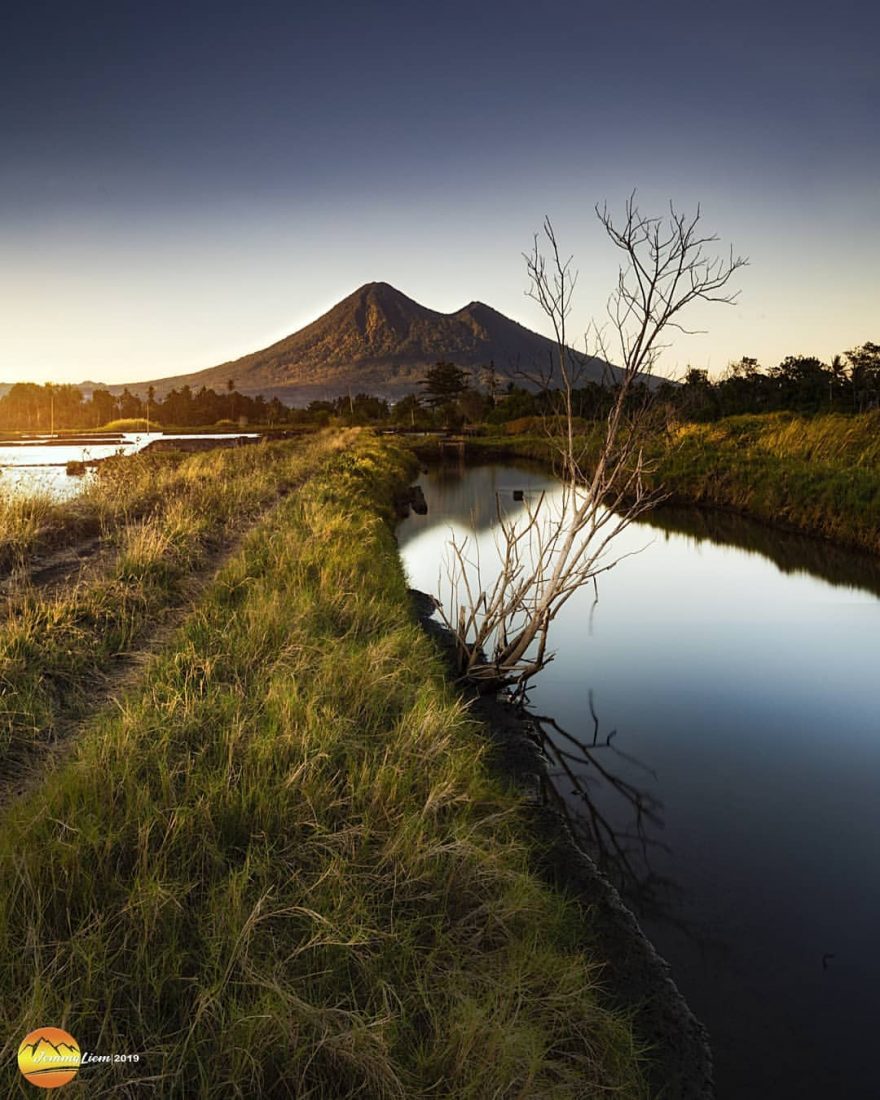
[(34, 521), (501, 622), (453, 396), (444, 384), (135, 488), (800, 383), (28, 407), (280, 866), (131, 424), (819, 474), (160, 522)]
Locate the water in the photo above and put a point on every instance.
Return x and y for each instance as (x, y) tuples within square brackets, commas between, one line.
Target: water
[(40, 466), (736, 805)]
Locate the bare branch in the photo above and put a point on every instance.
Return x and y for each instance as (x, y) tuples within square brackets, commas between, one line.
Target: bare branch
[(557, 545)]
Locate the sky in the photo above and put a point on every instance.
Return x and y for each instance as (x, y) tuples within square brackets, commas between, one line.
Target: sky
[(181, 184)]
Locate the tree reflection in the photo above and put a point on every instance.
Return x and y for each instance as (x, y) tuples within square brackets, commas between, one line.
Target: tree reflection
[(613, 818)]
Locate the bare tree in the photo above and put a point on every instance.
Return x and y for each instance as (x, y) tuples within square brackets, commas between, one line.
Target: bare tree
[(554, 548)]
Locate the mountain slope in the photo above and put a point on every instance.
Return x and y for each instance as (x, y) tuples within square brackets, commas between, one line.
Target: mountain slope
[(378, 341)]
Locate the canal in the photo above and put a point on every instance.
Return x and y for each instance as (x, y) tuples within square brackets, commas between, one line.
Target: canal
[(712, 726)]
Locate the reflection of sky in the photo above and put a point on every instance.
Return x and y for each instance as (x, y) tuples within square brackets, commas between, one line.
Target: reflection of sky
[(52, 480), (42, 468), (752, 695), (61, 455)]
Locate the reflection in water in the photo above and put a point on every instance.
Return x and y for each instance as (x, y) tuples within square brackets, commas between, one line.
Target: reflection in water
[(471, 495), (620, 842), (790, 552), (613, 818), (738, 798)]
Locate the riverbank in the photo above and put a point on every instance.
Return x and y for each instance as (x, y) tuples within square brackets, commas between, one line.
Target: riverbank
[(281, 865), (638, 980), (816, 475)]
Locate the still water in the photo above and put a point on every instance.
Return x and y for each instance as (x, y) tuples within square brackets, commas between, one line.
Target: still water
[(41, 465), (715, 737)]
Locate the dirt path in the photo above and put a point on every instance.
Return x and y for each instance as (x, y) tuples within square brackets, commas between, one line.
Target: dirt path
[(127, 669), (62, 568)]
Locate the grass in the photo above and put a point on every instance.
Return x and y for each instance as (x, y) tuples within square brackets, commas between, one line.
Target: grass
[(819, 474), (130, 424), (53, 651), (128, 489), (281, 868), (33, 521)]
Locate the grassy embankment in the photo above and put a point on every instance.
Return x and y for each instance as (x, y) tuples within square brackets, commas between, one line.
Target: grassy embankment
[(281, 868), (161, 519), (820, 475)]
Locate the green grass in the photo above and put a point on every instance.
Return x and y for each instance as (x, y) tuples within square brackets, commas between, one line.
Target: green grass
[(281, 868), (130, 424), (818, 474)]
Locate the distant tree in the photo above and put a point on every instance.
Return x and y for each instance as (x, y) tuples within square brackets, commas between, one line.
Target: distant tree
[(864, 373), (801, 383), (408, 412), (130, 406), (443, 383), (489, 378), (103, 406), (276, 411), (838, 381), (742, 388), (697, 396), (517, 403), (473, 406), (25, 407)]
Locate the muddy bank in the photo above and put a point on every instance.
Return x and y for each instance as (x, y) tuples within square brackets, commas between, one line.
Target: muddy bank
[(193, 443), (638, 980)]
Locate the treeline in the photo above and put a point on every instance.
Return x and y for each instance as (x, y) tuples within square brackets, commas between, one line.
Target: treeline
[(800, 383), (28, 407), (452, 397), (850, 383)]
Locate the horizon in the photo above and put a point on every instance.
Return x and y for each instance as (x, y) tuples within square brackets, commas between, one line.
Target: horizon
[(181, 189)]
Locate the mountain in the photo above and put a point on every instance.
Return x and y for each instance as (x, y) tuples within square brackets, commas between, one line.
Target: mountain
[(44, 1049), (381, 342)]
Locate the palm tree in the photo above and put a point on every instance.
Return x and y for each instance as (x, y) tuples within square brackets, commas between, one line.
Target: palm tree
[(838, 377)]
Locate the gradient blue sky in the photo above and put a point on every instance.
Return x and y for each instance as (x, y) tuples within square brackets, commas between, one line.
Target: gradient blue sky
[(181, 184)]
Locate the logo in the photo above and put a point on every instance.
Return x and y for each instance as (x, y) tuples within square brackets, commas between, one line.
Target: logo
[(49, 1057)]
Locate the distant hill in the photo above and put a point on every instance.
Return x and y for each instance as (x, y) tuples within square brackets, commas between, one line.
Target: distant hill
[(381, 342)]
